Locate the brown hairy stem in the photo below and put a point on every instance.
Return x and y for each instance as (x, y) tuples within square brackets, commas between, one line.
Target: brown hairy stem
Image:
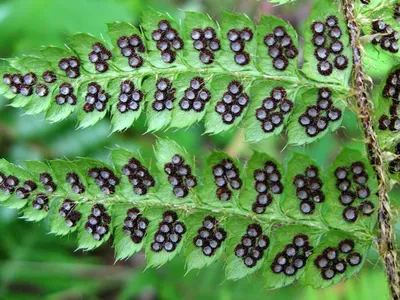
[(386, 242)]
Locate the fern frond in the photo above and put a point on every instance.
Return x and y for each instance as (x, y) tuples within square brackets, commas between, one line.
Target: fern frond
[(124, 75), (257, 216)]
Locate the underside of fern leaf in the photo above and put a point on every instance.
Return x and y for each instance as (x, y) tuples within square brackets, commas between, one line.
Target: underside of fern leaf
[(178, 74), (298, 222), (292, 221)]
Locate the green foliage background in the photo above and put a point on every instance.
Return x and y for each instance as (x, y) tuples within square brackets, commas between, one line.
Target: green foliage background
[(34, 265)]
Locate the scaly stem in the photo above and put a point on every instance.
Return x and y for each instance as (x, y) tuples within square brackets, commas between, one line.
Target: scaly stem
[(386, 243)]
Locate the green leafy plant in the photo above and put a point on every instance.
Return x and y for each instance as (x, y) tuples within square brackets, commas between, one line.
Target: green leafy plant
[(239, 211), (297, 222)]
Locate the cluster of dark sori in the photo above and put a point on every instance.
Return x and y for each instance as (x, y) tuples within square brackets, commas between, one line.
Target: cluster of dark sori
[(334, 261), (169, 234), (130, 47), (387, 37), (396, 12), (164, 96), (25, 191), (233, 103), (206, 42), (196, 96), (129, 97), (309, 189), (105, 179), (41, 202), (238, 39), (168, 41), (180, 176), (294, 256), (317, 117), (210, 236), (100, 57), (394, 165), (48, 183), (42, 90), (69, 213), (139, 176), (8, 183), (280, 48), (391, 91), (226, 174), (66, 95), (326, 40), (135, 225), (349, 192), (273, 109), (252, 245), (267, 182), (98, 222), (21, 84), (96, 98), (71, 66), (77, 186)]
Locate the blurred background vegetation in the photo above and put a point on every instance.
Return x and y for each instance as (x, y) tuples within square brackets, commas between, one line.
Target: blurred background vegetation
[(35, 265)]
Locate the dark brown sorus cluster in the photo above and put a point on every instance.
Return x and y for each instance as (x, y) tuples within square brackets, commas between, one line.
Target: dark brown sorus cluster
[(100, 57), (317, 117), (129, 98), (210, 236), (71, 66), (41, 202), (48, 183), (293, 257), (238, 39), (272, 112), (24, 84), (233, 103), (8, 183), (252, 245), (196, 96), (334, 261), (391, 91), (105, 179), (394, 165), (206, 42), (77, 186), (21, 84), (309, 189), (396, 12), (96, 98), (168, 41), (135, 225), (66, 95), (130, 47), (267, 182), (139, 176), (164, 96), (326, 39), (69, 213), (24, 191), (280, 48), (387, 37), (226, 174), (180, 176), (169, 234), (42, 90), (98, 222), (350, 192)]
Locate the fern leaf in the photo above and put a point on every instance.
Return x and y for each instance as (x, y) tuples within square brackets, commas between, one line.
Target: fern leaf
[(121, 76), (247, 214)]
